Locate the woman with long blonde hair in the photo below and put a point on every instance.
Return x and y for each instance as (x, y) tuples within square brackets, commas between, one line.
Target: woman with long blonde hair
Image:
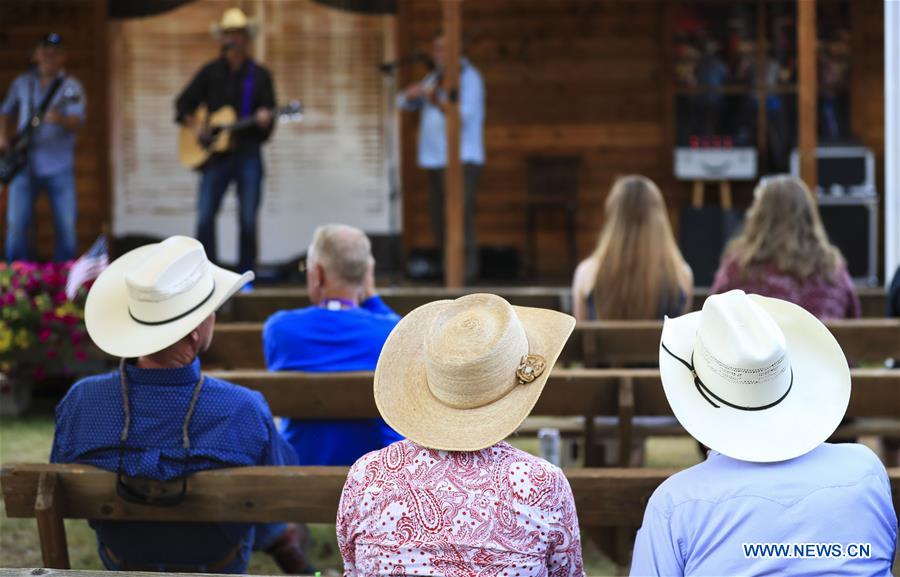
[(636, 271), (783, 252)]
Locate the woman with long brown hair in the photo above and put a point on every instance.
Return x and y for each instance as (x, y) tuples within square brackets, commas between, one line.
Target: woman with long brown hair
[(783, 252), (636, 271)]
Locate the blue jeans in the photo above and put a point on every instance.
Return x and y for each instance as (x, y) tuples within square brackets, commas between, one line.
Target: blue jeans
[(23, 192), (257, 538), (244, 167)]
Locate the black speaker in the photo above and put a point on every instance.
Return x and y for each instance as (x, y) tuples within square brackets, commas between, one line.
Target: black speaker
[(853, 228), (703, 234)]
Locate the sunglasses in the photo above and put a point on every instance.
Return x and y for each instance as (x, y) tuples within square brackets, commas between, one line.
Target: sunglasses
[(152, 492)]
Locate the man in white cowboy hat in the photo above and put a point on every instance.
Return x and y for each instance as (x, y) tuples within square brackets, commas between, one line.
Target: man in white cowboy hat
[(453, 498), (237, 80), (159, 419), (763, 384), (343, 330)]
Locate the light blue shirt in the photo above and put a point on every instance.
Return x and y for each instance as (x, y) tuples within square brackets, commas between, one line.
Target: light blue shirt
[(698, 520), (53, 147), (433, 132)]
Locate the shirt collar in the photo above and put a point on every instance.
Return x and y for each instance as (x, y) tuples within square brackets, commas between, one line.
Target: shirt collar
[(186, 375)]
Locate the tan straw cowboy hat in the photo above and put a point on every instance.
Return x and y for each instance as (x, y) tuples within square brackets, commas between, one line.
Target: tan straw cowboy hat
[(234, 19), (755, 378), (153, 296), (462, 375)]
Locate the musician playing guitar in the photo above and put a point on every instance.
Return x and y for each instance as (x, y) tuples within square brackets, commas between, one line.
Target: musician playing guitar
[(236, 80), (50, 161)]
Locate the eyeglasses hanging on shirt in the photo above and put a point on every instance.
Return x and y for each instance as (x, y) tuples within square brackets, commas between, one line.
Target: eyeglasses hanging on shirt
[(145, 491)]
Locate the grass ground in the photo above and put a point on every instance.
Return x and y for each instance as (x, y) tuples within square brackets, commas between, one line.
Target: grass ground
[(28, 439)]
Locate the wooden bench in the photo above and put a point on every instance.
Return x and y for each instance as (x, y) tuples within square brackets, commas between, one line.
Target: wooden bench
[(51, 493), (611, 343), (587, 394), (258, 305)]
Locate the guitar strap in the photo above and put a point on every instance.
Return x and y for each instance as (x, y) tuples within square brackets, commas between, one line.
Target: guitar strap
[(48, 97)]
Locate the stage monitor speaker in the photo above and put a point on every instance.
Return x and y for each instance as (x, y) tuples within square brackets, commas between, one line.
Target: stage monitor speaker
[(703, 234), (852, 226)]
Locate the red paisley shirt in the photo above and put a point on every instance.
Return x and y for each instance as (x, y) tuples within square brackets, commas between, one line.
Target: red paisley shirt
[(408, 510)]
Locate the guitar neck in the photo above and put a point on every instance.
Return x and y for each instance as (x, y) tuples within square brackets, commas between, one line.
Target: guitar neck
[(251, 120)]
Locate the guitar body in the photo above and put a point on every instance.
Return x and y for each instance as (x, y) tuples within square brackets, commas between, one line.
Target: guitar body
[(13, 160), (194, 154)]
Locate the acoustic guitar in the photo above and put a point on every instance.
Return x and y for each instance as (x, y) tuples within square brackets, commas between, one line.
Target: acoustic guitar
[(194, 153)]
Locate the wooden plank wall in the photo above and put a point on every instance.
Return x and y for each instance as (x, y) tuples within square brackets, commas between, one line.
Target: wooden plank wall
[(590, 79), (82, 24), (566, 77)]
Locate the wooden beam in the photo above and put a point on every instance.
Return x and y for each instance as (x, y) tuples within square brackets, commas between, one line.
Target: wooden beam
[(454, 249), (48, 510), (807, 90)]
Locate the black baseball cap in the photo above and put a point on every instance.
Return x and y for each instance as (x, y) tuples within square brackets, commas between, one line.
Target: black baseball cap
[(51, 39)]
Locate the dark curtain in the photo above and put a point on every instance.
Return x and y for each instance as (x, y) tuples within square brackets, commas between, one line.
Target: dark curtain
[(122, 9), (362, 6)]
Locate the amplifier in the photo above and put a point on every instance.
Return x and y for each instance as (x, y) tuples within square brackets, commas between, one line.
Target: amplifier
[(852, 226)]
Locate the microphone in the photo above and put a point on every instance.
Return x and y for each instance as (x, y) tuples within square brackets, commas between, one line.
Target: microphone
[(417, 56)]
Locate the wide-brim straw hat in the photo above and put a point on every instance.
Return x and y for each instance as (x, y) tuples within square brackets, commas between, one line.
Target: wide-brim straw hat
[(155, 295), (234, 19), (757, 379), (462, 375)]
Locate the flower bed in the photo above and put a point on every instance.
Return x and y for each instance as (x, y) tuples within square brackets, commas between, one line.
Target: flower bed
[(42, 332)]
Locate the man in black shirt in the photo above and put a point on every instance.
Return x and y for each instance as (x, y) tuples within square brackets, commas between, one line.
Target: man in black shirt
[(234, 79)]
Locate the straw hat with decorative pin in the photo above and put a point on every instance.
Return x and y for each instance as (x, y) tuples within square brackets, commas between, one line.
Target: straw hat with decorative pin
[(462, 375)]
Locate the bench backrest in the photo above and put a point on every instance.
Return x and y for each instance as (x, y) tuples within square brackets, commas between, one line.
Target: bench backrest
[(614, 343), (51, 493), (258, 305), (569, 392)]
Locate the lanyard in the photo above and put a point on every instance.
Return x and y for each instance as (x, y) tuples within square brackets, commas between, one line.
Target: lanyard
[(337, 304)]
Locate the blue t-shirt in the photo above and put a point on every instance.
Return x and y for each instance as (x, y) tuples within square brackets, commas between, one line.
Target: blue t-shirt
[(316, 339)]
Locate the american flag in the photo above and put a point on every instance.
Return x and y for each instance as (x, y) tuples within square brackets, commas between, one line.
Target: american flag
[(88, 267)]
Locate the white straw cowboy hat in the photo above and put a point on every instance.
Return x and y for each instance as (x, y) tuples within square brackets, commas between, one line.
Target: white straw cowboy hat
[(234, 19), (154, 295), (462, 375), (755, 378)]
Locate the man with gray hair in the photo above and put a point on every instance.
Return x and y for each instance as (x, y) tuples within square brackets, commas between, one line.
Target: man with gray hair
[(342, 330)]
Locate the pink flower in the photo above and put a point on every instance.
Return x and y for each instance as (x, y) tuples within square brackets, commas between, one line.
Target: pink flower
[(80, 355), (39, 373), (59, 298), (70, 320), (77, 336), (44, 335), (48, 316), (9, 299), (51, 353)]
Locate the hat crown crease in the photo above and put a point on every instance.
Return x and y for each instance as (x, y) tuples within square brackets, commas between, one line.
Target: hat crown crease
[(473, 350), (174, 278), (741, 352)]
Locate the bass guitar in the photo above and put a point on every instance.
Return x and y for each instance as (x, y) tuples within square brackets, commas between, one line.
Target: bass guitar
[(14, 159), (194, 152)]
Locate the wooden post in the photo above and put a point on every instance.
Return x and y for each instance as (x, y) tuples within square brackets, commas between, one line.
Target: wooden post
[(807, 90), (51, 529), (454, 248)]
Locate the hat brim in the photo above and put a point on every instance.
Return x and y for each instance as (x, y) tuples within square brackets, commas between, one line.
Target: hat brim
[(111, 327), (217, 30), (806, 418), (409, 407)]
